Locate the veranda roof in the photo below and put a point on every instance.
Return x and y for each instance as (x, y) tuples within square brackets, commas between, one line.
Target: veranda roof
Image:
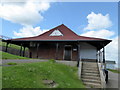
[(61, 33), (68, 35)]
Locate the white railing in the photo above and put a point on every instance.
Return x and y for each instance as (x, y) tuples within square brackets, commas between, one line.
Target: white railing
[(101, 69), (102, 75), (80, 68)]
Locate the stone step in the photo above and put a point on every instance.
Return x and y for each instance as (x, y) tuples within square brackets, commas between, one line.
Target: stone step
[(90, 77), (92, 85), (91, 80)]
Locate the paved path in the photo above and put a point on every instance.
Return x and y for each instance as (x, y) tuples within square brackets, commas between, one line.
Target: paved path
[(112, 80), (23, 61), (71, 63)]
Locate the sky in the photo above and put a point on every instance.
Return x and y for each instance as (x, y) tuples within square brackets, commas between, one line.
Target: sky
[(93, 19)]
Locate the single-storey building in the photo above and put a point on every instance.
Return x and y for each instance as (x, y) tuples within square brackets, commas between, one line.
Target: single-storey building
[(61, 43)]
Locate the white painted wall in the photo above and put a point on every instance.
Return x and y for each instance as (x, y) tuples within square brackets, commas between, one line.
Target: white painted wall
[(88, 51)]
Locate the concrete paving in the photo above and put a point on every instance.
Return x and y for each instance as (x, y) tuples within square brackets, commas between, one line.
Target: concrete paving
[(22, 61), (112, 80), (71, 63)]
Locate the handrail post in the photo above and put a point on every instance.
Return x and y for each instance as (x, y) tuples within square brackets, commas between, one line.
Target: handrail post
[(21, 49), (37, 48), (6, 47), (78, 55)]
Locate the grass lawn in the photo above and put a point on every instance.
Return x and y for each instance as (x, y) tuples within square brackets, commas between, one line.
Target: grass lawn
[(11, 56), (0, 77), (115, 71), (31, 75)]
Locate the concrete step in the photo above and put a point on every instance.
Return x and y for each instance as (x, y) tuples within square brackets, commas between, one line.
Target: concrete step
[(90, 77), (89, 63), (92, 85), (87, 69), (90, 71), (91, 80), (89, 60), (91, 74), (90, 66)]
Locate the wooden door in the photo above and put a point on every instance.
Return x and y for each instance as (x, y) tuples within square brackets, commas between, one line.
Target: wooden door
[(67, 54)]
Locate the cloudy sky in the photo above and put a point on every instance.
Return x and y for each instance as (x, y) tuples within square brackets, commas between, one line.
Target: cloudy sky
[(94, 19)]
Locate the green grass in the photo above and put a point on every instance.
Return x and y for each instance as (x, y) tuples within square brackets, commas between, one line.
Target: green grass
[(31, 75), (0, 77), (11, 56), (11, 63), (11, 45), (115, 71)]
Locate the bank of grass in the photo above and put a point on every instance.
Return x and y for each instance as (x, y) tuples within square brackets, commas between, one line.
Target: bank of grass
[(115, 71), (0, 77), (10, 56), (31, 75), (11, 46)]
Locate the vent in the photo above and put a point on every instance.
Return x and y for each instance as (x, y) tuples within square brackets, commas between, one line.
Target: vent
[(56, 33)]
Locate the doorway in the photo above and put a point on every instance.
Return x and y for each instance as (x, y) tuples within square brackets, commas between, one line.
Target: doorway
[(68, 52)]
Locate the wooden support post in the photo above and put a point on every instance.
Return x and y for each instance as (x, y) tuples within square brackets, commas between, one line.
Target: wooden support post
[(6, 47), (56, 56), (103, 55), (24, 51), (30, 54), (78, 55), (37, 49), (20, 49), (99, 57), (104, 58)]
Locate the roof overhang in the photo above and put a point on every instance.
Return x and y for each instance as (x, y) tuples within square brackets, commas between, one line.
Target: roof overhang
[(97, 43)]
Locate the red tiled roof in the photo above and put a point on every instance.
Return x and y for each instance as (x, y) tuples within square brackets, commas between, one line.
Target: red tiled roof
[(67, 35)]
